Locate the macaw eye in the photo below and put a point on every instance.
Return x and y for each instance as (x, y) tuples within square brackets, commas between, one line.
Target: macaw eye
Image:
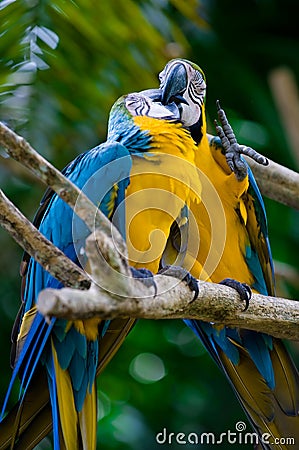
[(197, 77)]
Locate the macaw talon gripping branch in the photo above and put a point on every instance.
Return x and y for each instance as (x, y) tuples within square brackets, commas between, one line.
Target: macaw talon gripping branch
[(146, 277), (243, 289), (184, 275)]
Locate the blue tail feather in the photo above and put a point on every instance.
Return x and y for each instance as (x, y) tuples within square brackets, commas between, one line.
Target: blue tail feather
[(37, 358), (26, 354), (260, 354), (65, 349), (38, 341), (77, 375), (79, 396), (93, 363), (53, 395), (210, 336)]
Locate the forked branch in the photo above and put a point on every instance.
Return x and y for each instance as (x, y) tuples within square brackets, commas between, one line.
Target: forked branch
[(113, 293)]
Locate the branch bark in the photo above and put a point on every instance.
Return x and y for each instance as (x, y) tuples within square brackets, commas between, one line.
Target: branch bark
[(218, 304), (40, 248), (277, 182)]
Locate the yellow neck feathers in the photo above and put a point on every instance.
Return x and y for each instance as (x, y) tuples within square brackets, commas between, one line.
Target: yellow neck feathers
[(168, 137)]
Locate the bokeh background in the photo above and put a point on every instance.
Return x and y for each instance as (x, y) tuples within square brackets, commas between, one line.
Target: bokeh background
[(62, 66)]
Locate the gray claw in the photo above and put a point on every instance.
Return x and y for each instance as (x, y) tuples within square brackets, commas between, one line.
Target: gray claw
[(243, 289), (184, 275), (145, 276), (233, 150)]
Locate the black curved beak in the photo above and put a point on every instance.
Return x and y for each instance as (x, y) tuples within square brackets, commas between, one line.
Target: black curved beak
[(174, 85)]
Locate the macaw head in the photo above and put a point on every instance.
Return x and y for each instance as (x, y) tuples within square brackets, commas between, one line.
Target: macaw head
[(184, 83), (146, 103)]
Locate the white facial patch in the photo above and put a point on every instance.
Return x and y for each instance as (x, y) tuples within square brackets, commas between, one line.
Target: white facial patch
[(140, 105)]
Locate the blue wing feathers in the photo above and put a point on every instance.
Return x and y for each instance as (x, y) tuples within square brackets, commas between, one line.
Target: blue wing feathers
[(255, 267), (261, 218), (74, 352), (92, 361), (254, 190)]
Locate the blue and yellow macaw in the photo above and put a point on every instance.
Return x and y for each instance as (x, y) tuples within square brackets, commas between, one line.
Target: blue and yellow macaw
[(231, 221), (135, 178)]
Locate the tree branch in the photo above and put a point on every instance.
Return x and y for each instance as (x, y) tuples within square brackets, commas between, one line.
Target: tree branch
[(114, 293), (19, 149), (34, 243), (218, 304), (277, 182)]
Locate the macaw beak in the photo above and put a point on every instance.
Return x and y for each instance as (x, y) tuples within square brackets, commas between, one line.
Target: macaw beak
[(174, 85)]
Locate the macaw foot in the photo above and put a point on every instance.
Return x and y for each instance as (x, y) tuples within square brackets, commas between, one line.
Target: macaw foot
[(242, 288), (145, 276), (184, 275), (233, 150)]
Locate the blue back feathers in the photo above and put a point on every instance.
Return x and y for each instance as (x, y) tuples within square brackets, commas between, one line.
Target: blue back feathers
[(103, 174)]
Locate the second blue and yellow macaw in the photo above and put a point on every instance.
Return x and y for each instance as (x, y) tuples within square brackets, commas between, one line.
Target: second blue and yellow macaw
[(231, 221), (135, 178)]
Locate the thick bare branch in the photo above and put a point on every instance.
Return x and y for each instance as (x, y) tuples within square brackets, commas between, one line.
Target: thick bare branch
[(219, 304), (277, 182), (31, 240)]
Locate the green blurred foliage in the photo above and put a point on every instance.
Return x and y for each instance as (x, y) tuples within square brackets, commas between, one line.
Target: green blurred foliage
[(63, 64)]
